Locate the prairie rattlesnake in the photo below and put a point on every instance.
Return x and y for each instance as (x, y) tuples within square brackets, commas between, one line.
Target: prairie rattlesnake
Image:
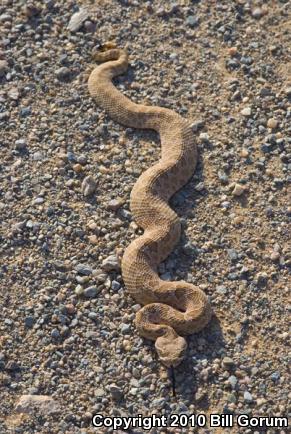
[(170, 309)]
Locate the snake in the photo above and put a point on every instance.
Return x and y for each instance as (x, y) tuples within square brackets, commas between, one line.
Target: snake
[(170, 310)]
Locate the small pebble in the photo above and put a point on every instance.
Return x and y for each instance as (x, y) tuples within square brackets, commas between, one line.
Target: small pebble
[(200, 186), (111, 264), (244, 153), (13, 93), (115, 204), (77, 20), (275, 376), (275, 256), (192, 21), (29, 322), (247, 111), (78, 168), (232, 51), (228, 363), (232, 381), (28, 404), (99, 393), (83, 269), (91, 292), (3, 68), (20, 144), (93, 239), (89, 186), (248, 397), (115, 286), (31, 10), (116, 392), (272, 123), (63, 73), (238, 190), (55, 334), (79, 290), (257, 13)]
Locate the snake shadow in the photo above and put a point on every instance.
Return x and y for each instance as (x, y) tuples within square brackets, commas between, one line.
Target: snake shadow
[(193, 374)]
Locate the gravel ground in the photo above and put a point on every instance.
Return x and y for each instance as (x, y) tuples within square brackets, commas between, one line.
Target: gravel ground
[(66, 321)]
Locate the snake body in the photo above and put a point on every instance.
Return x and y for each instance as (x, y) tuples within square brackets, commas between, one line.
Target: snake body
[(170, 309)]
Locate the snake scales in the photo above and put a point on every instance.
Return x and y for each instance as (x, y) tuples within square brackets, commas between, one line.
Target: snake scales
[(170, 309)]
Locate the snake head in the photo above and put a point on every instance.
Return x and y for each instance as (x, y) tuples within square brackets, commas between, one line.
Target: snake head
[(171, 351)]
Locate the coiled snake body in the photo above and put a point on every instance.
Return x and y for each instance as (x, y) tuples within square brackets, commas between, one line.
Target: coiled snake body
[(170, 309)]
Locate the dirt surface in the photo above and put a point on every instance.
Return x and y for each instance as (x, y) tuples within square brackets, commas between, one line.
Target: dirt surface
[(67, 334)]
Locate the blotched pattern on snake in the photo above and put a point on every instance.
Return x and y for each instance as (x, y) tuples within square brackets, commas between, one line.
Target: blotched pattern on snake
[(170, 309)]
